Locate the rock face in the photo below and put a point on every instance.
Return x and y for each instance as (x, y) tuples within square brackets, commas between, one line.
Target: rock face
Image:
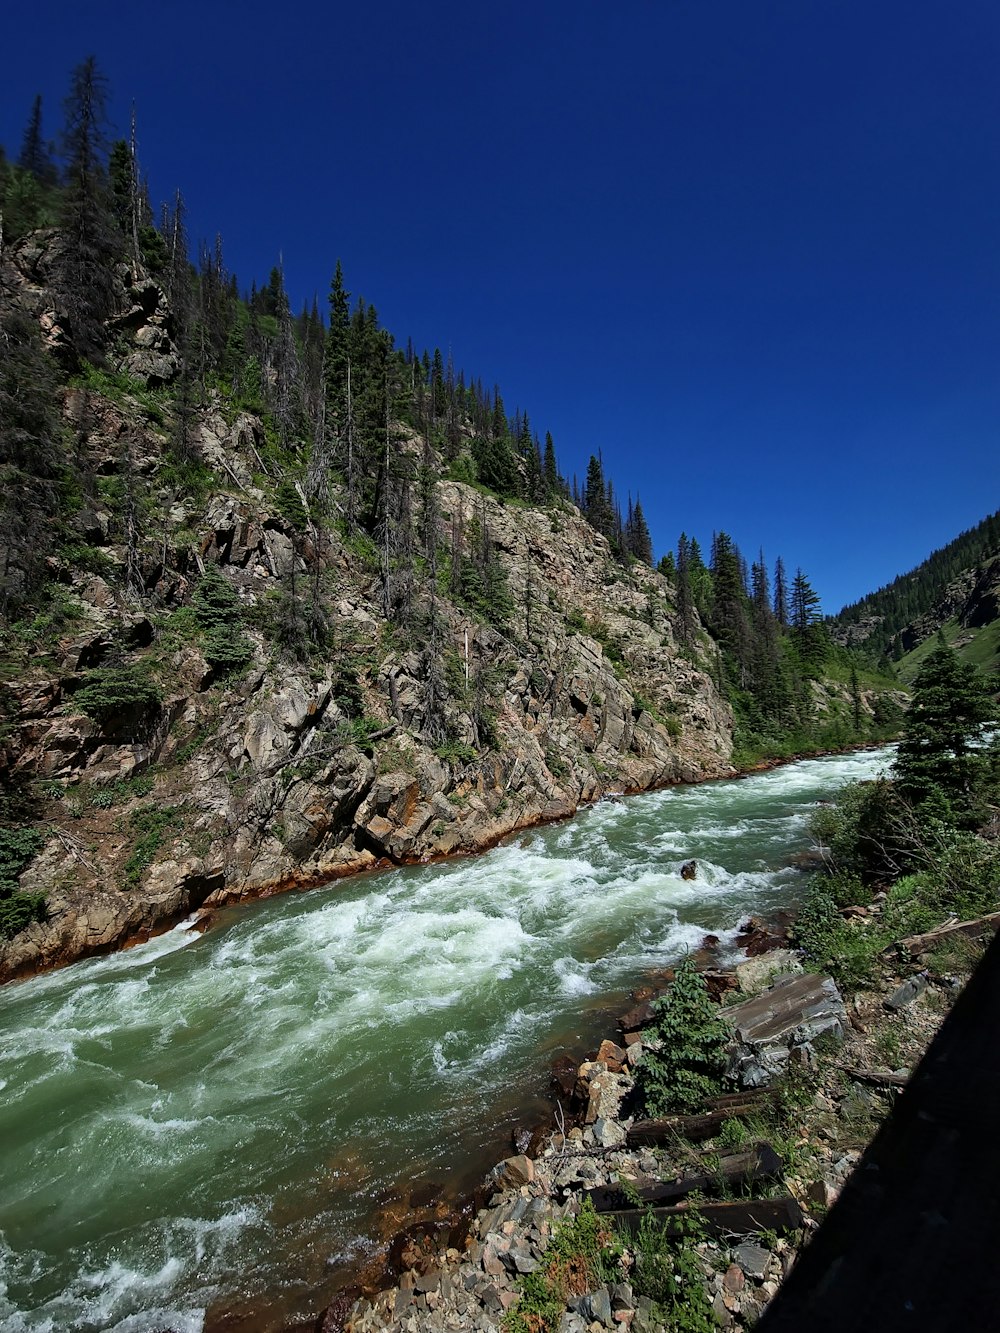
[(385, 749)]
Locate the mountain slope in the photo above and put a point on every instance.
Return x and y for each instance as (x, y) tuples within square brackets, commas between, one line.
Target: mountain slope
[(896, 618), (221, 696)]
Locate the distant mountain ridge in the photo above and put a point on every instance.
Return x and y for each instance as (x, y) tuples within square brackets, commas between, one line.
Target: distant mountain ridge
[(957, 583)]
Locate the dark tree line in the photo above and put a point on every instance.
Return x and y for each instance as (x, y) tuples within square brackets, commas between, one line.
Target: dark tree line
[(770, 640)]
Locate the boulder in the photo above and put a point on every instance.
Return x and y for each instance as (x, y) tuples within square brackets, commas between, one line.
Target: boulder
[(512, 1173), (788, 1017), (752, 975)]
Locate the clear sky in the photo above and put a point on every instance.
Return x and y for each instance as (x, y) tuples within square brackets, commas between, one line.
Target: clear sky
[(751, 251)]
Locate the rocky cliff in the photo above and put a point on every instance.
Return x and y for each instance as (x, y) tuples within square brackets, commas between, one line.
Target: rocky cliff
[(248, 769), (971, 601)]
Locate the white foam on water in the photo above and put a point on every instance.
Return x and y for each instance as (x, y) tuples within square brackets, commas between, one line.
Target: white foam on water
[(574, 976), (310, 1020)]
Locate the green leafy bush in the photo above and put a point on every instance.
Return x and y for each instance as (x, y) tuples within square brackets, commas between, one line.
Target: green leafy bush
[(847, 950), (689, 1066), (868, 831), (666, 1270)]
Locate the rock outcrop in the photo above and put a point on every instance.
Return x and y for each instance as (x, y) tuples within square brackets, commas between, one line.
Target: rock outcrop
[(384, 749)]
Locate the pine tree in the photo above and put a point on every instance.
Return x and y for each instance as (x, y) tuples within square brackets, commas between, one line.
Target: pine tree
[(35, 156), (637, 538), (780, 593), (807, 633), (91, 239), (31, 457), (685, 600), (938, 760), (550, 469)]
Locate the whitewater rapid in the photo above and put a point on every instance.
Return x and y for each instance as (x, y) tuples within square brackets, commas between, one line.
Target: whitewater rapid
[(212, 1119)]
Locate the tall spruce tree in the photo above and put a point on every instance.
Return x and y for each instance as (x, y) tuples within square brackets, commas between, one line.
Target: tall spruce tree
[(35, 155), (940, 761), (91, 241)]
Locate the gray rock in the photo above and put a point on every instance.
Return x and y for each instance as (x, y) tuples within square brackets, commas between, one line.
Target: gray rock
[(755, 973), (753, 1259), (787, 1018), (622, 1296), (906, 993), (645, 1320), (608, 1133), (597, 1306)]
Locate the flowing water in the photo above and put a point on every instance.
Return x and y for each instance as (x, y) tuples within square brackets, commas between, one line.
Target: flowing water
[(216, 1121)]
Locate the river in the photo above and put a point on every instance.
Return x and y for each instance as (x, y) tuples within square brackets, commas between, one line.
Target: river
[(224, 1121)]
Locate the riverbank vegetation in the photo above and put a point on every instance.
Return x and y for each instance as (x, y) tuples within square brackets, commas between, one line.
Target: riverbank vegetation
[(909, 851)]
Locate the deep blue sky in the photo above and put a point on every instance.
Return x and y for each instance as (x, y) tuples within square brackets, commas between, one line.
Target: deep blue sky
[(751, 251)]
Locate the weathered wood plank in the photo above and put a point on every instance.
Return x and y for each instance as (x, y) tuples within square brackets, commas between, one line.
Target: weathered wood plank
[(877, 1077), (761, 1163), (915, 945), (694, 1127), (737, 1217)]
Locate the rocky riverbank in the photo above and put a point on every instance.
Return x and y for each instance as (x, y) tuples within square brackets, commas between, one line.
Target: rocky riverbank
[(813, 1073)]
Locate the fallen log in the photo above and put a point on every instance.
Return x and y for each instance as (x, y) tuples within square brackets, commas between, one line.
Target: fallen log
[(694, 1127), (915, 945), (732, 1218), (761, 1163)]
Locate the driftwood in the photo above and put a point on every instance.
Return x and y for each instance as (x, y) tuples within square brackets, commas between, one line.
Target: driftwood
[(737, 1218), (694, 1127), (915, 945), (746, 1168)]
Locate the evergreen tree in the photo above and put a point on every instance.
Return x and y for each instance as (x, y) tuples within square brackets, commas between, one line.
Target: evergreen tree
[(685, 600), (31, 457), (729, 621), (939, 760), (637, 539), (807, 633), (35, 156), (780, 593), (90, 237), (550, 469)]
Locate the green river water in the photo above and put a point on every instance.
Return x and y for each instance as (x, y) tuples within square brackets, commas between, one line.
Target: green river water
[(223, 1122)]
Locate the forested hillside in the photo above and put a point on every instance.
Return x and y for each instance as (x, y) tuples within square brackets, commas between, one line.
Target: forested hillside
[(907, 611), (282, 599)]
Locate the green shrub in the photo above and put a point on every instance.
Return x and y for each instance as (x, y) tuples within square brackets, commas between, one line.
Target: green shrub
[(226, 650), (689, 1067), (456, 752), (122, 696), (125, 789), (215, 600), (19, 910), (219, 614), (867, 831), (288, 503), (18, 847), (668, 1272), (847, 950), (150, 827)]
